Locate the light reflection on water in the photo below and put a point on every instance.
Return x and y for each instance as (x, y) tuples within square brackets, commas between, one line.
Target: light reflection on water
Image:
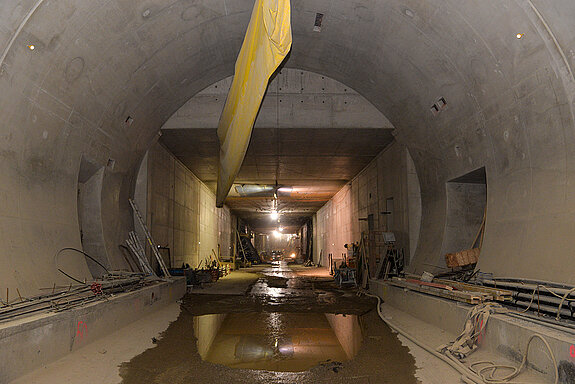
[(287, 342)]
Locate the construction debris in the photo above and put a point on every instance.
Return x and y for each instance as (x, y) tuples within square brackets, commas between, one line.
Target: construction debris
[(462, 258), (496, 294), (153, 245), (345, 276), (249, 253), (441, 291), (392, 262), (135, 246), (67, 297), (468, 293)]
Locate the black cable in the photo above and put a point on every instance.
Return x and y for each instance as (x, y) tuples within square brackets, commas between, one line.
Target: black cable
[(83, 253), (73, 278)]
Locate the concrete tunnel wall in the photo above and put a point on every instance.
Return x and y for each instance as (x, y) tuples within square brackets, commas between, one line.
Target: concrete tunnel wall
[(181, 211), (382, 186), (509, 108)]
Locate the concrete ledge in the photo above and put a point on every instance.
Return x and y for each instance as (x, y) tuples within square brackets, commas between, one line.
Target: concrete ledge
[(31, 342), (504, 334)]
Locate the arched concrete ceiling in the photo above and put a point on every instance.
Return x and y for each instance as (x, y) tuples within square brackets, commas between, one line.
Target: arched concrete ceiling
[(509, 108), (311, 136)]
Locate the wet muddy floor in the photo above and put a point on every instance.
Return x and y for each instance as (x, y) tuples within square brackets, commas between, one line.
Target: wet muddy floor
[(281, 324), (271, 341)]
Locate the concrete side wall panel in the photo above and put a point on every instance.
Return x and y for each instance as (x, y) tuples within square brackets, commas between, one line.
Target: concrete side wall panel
[(338, 221), (182, 211)]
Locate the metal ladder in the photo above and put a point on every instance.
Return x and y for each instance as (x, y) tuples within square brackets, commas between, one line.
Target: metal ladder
[(135, 246), (150, 240)]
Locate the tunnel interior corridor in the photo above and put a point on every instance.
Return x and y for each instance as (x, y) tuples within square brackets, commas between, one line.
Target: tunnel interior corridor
[(436, 134)]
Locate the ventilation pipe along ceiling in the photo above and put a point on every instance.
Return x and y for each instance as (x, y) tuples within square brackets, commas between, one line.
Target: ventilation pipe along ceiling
[(267, 42)]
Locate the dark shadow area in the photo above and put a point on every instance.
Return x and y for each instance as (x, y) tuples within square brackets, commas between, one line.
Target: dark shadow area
[(466, 207)]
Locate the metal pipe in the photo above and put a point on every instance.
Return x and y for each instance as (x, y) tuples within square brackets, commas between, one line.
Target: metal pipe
[(541, 297), (544, 308), (527, 286), (522, 282)]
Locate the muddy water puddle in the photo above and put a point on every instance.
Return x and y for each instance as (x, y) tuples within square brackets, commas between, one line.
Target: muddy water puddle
[(276, 341), (277, 329), (240, 348)]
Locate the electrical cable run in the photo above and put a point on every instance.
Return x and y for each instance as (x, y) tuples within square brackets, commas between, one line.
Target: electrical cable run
[(473, 374)]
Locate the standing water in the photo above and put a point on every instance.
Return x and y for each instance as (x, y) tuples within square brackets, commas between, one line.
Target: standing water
[(285, 342)]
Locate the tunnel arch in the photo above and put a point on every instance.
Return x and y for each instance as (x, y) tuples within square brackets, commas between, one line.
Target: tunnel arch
[(509, 105)]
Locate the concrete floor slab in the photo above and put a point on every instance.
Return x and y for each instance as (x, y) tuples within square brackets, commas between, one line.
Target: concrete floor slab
[(236, 283)]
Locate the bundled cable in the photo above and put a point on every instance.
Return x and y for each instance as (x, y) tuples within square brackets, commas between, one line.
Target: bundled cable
[(472, 374), (475, 323)]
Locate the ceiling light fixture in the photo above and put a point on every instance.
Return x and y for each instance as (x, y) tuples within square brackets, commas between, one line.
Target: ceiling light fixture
[(274, 215), (277, 234), (281, 229)]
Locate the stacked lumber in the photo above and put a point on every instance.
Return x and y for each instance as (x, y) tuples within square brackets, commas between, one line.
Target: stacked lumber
[(495, 293), (462, 258)]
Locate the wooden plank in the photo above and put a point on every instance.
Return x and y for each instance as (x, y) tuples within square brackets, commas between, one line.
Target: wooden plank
[(435, 285), (463, 296), (379, 267), (498, 294), (462, 258)]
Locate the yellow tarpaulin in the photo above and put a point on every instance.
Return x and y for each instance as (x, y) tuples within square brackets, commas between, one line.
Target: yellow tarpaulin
[(267, 42)]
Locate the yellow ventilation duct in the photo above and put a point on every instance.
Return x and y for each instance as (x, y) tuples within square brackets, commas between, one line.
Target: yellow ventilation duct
[(267, 42)]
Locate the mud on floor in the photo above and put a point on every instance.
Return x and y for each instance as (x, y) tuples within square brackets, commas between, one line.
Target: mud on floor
[(176, 358)]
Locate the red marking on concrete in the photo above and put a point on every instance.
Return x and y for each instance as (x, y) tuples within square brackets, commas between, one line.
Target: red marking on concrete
[(572, 350), (82, 331)]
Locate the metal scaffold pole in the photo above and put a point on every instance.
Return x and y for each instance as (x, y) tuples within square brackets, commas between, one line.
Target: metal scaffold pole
[(150, 240)]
